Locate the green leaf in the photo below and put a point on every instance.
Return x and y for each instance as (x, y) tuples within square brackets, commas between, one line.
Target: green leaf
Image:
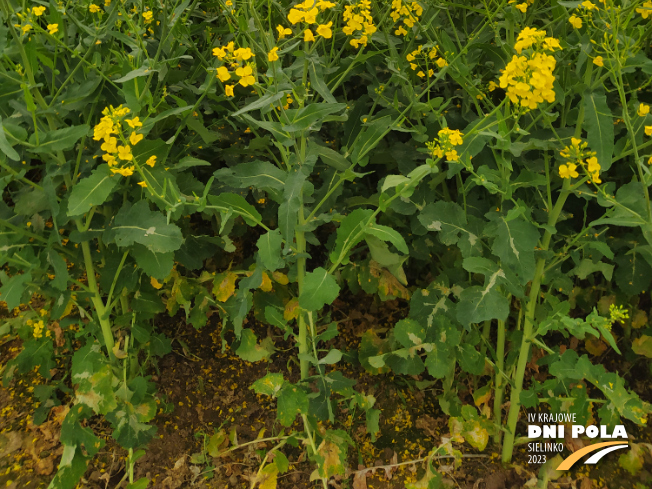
[(633, 274), (13, 288), (262, 102), (386, 233), (292, 400), (448, 219), (599, 126), (631, 209), (270, 385), (470, 359), (58, 140), (141, 483), (331, 358), (5, 147), (329, 156), (369, 137), (61, 276), (514, 243), (96, 391), (269, 250), (349, 233), (256, 174), (92, 190), (409, 333), (319, 289), (189, 162), (289, 209), (138, 224), (144, 70), (249, 348), (478, 304), (439, 360), (71, 468), (237, 204), (157, 265), (129, 423), (301, 119)]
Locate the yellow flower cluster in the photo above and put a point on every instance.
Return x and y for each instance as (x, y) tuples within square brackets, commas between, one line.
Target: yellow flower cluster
[(359, 23), (643, 110), (38, 326), (424, 59), (307, 12), (119, 157), (236, 60), (408, 13), (528, 78), (645, 10), (445, 144), (577, 155), (148, 16)]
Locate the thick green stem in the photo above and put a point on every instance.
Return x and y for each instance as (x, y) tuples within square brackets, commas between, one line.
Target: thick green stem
[(528, 329), (300, 237), (500, 383)]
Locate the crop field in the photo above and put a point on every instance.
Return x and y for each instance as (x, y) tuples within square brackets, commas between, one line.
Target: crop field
[(348, 244)]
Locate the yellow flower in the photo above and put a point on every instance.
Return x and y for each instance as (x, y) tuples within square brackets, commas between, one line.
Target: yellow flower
[(151, 161), (245, 74), (93, 8), (26, 28), (228, 90), (400, 31), (219, 52), (311, 16), (124, 153), (243, 54), (648, 130), (593, 165), (134, 123), (135, 138), (441, 62), (107, 3), (143, 184), (273, 54), (522, 7), (110, 159), (109, 145), (325, 31), (223, 73), (598, 61), (53, 28), (451, 155), (283, 31), (295, 16), (148, 16), (308, 35), (575, 21), (589, 5), (643, 110), (38, 11), (125, 172), (568, 171)]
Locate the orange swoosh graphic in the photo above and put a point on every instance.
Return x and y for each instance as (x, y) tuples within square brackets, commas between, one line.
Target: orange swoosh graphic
[(571, 459)]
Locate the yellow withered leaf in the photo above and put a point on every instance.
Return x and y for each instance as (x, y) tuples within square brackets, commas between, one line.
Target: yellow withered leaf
[(291, 310), (155, 283), (266, 286), (224, 286)]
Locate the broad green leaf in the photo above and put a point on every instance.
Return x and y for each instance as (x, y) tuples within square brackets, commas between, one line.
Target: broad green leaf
[(157, 265), (369, 137), (61, 276), (633, 274), (261, 102), (470, 359), (144, 70), (319, 289), (630, 209), (514, 243), (332, 453), (478, 304), (97, 392), (141, 483), (599, 126), (238, 205), (36, 353), (249, 348), (256, 174), (269, 250), (633, 459), (13, 288), (92, 190), (189, 162), (129, 423), (332, 357), (5, 147), (409, 333), (449, 221), (386, 233), (72, 466), (439, 360), (349, 233), (292, 400), (329, 156), (138, 224), (58, 140), (301, 119), (270, 385), (289, 209)]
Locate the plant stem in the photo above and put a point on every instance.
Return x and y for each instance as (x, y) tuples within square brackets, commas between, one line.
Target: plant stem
[(528, 329), (500, 385)]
